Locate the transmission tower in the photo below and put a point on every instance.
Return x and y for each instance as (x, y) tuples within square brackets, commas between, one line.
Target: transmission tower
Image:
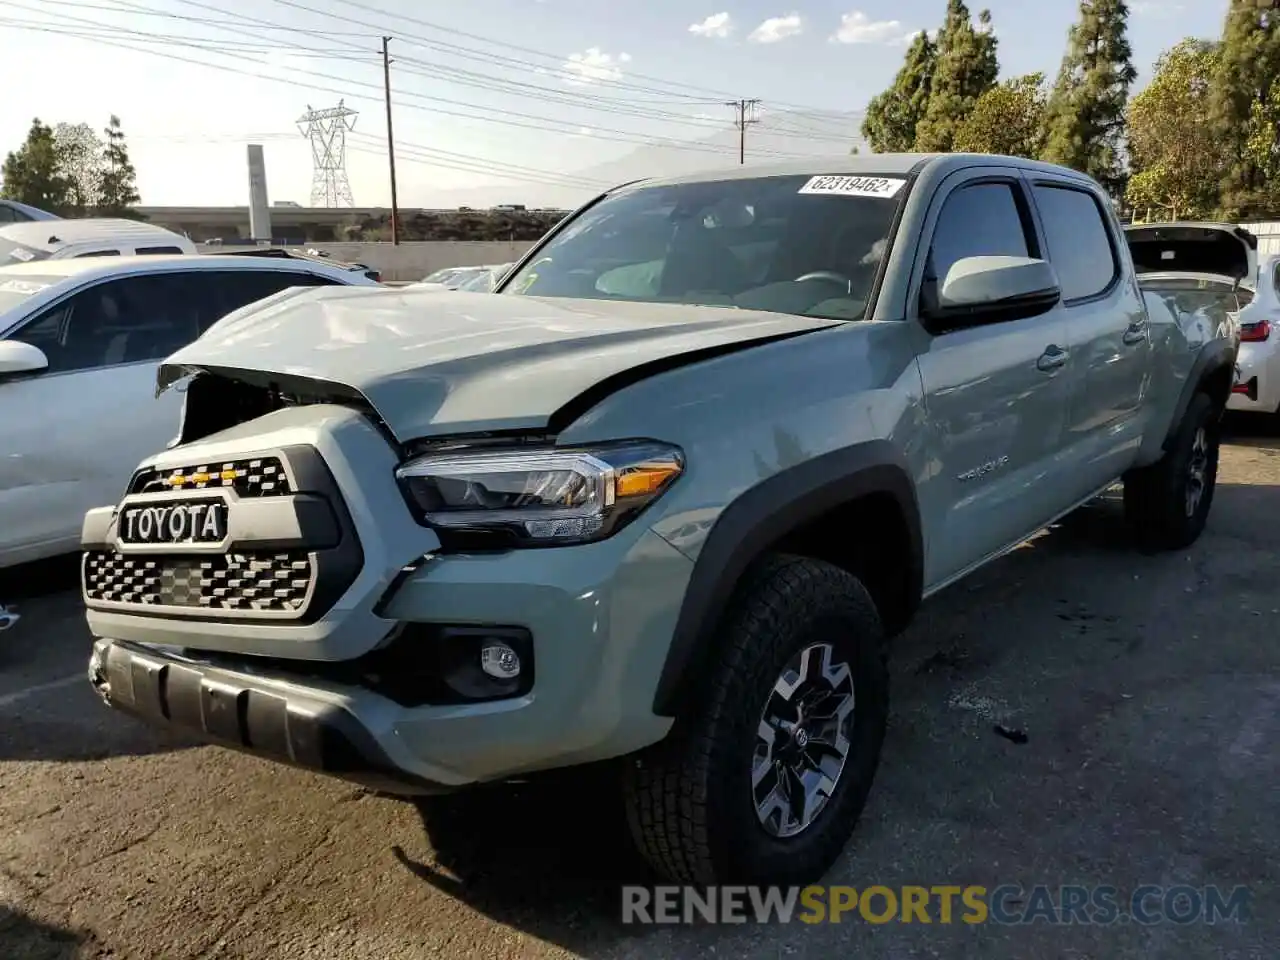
[(327, 131)]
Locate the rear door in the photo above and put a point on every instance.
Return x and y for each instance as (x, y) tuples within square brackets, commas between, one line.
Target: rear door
[(995, 392), (1106, 324)]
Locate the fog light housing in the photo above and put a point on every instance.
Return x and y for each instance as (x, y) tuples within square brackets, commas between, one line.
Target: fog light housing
[(499, 661)]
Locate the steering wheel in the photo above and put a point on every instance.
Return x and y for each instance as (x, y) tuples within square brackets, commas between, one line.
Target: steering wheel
[(829, 275)]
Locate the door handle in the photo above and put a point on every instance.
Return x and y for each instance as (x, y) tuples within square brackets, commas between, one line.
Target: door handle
[(1136, 333), (1052, 358)]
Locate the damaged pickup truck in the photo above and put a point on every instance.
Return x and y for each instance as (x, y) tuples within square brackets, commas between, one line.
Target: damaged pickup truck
[(661, 498)]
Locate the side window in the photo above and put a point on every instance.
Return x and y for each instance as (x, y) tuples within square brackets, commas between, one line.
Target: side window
[(231, 290), (144, 251), (981, 220), (309, 280), (99, 253), (1080, 245), (1275, 277), (129, 320), (8, 214)]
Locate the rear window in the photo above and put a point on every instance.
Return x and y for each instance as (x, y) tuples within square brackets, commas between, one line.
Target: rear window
[(1078, 240), (14, 290)]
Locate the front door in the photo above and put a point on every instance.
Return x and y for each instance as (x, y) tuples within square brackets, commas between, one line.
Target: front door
[(995, 393)]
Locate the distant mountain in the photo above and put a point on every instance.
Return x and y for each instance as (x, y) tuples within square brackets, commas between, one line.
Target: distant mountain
[(777, 136)]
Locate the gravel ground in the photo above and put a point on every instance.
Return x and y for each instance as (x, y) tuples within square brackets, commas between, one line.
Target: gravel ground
[(1147, 687)]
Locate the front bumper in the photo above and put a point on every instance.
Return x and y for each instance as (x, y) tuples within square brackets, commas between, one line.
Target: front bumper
[(248, 713), (600, 618)]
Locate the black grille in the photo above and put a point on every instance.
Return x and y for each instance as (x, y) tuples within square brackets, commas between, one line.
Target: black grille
[(260, 477), (233, 581)]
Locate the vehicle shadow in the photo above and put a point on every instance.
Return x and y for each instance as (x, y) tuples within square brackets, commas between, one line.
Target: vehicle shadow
[(25, 938), (548, 857)]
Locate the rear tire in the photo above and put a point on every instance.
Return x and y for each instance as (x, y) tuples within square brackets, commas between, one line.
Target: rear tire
[(799, 674), (1169, 501)]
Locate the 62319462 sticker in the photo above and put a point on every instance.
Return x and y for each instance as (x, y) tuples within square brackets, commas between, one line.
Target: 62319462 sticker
[(847, 186)]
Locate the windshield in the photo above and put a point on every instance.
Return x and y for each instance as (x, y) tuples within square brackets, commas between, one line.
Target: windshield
[(795, 244), (462, 275), (440, 276), (13, 290), (480, 283), (11, 252)]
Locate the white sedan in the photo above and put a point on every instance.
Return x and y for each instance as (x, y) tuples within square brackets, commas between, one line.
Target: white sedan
[(1257, 387), (80, 341)]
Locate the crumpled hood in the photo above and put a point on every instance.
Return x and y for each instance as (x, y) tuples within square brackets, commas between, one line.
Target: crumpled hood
[(433, 363)]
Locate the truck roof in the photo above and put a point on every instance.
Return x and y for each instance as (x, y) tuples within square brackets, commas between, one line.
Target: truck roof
[(869, 164)]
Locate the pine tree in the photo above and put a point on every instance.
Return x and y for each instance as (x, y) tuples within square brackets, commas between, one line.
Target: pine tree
[(967, 68), (892, 116), (1246, 108), (118, 188), (31, 173), (1086, 112)]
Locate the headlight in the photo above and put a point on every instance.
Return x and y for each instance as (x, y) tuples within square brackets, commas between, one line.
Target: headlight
[(542, 498)]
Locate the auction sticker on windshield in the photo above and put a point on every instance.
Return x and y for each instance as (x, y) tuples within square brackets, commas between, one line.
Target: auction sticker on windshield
[(845, 186)]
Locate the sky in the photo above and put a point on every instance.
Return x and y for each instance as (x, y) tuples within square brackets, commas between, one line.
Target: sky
[(524, 94)]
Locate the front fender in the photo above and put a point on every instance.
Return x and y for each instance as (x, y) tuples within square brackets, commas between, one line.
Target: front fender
[(762, 516)]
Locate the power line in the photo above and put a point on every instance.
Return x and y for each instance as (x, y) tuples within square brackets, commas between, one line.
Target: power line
[(667, 95), (481, 80), (470, 165), (367, 8), (526, 121), (521, 88)]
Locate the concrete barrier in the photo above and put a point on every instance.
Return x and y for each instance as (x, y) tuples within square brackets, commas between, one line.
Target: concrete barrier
[(414, 260)]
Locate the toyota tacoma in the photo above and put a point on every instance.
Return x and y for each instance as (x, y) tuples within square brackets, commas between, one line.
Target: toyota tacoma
[(661, 499)]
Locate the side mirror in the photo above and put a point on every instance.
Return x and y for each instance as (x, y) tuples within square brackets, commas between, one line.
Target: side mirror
[(978, 290), (17, 357)]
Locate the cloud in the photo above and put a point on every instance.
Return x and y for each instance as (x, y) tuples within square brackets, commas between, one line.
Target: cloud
[(857, 27), (594, 66), (718, 25), (776, 28)]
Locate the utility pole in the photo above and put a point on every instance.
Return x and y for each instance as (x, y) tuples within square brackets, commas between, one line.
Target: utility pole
[(744, 113), (391, 144)]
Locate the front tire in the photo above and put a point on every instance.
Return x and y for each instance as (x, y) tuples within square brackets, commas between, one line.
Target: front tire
[(764, 781), (1169, 501)]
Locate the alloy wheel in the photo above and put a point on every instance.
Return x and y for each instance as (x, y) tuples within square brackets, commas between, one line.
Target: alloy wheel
[(803, 740)]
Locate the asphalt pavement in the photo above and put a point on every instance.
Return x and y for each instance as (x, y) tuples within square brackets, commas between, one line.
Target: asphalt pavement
[(1139, 699)]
